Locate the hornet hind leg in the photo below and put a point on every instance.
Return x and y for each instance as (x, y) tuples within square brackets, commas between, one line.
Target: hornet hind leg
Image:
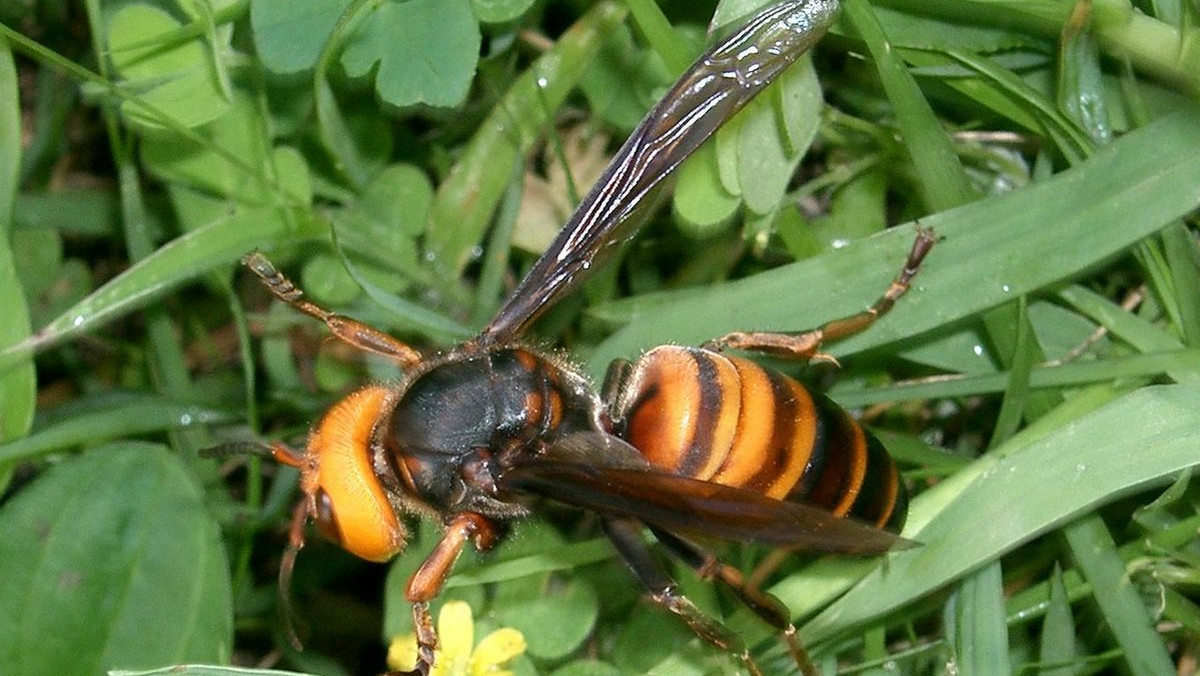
[(806, 345), (625, 536), (770, 609)]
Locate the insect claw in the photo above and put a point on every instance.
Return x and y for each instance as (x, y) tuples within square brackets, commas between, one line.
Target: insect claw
[(826, 359)]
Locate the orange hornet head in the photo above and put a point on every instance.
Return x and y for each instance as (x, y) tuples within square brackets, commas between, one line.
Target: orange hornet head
[(343, 493)]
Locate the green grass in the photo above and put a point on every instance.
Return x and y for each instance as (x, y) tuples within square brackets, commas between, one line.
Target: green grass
[(1039, 384)]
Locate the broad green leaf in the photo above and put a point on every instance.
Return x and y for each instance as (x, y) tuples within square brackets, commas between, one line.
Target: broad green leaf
[(1129, 190), (1037, 484), (654, 641), (425, 51), (177, 78), (621, 82), (281, 175), (18, 382), (701, 200), (112, 560), (397, 611), (289, 35), (397, 200), (587, 668), (554, 622), (774, 134), (499, 11), (358, 147), (856, 210)]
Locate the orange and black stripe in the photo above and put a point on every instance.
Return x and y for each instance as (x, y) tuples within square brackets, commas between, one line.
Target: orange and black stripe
[(725, 419)]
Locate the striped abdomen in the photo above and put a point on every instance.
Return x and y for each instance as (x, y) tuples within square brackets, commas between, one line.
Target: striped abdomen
[(725, 419)]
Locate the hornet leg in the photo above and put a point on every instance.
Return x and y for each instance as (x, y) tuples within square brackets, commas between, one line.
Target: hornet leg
[(805, 346), (770, 609), (625, 536), (351, 331), (426, 583)]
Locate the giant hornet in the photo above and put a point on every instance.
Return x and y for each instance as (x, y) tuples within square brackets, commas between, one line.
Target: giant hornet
[(683, 441)]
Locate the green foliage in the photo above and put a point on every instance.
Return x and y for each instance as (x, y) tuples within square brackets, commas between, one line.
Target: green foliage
[(18, 382), (116, 538), (1038, 384)]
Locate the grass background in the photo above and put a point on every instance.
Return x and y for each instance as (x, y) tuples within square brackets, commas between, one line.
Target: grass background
[(404, 162)]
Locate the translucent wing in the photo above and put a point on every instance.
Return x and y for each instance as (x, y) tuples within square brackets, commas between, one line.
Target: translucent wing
[(723, 80)]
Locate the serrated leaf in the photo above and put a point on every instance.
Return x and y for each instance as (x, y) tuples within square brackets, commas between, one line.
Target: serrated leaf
[(112, 560), (179, 78), (425, 50)]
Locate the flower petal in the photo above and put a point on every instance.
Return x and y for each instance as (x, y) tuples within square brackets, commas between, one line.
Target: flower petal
[(402, 653), (495, 649), (456, 632)]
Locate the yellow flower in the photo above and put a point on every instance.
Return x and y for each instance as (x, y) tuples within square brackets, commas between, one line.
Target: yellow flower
[(456, 636)]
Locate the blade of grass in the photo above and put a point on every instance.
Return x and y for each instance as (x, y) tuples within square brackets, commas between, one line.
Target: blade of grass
[(976, 622), (944, 183), (1085, 215), (18, 384), (1095, 553), (1058, 631), (1138, 332), (1019, 357), (1080, 86), (1154, 47), (182, 260), (1059, 476), (110, 417), (1183, 261), (660, 34), (1181, 365)]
